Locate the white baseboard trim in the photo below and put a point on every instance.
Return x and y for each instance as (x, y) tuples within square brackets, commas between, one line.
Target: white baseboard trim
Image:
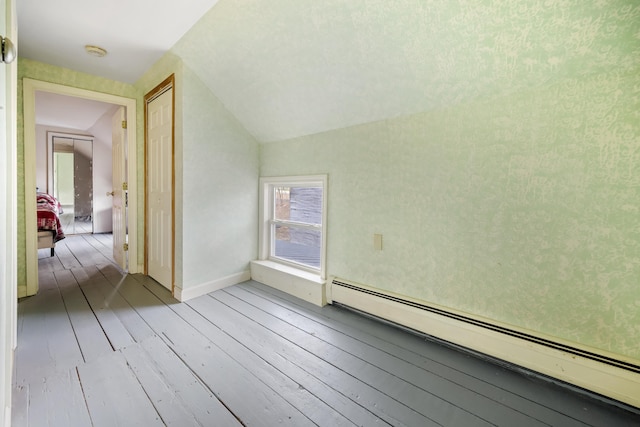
[(140, 268), (616, 382), (306, 286), (214, 285)]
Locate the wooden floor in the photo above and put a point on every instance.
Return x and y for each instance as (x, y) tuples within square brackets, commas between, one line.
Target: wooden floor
[(72, 225), (97, 347)]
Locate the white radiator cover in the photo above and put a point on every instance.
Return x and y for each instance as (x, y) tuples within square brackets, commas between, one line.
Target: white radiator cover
[(604, 373)]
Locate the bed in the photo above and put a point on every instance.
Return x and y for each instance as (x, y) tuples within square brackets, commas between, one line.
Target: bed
[(49, 225)]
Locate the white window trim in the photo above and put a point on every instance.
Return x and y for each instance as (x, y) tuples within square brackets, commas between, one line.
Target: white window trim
[(266, 208)]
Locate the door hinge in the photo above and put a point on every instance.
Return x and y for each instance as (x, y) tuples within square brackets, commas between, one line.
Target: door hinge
[(125, 186), (125, 247), (124, 124)]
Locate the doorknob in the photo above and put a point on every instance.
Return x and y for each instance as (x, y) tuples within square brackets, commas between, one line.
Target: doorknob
[(110, 193), (8, 50)]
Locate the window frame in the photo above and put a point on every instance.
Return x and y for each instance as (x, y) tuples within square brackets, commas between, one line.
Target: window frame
[(268, 221)]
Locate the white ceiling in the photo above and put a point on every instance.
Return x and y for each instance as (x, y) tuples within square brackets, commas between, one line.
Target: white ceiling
[(134, 33), (69, 112)]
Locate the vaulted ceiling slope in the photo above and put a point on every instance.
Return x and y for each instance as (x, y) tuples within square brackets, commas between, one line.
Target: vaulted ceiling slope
[(289, 68)]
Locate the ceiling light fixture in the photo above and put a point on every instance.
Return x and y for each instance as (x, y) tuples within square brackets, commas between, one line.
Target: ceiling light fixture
[(95, 51)]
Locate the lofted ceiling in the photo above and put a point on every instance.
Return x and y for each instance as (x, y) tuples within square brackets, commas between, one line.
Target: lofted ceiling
[(288, 68)]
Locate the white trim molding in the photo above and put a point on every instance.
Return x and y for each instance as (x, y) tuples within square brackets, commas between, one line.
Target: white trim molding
[(307, 286), (607, 374), (30, 87), (214, 285)]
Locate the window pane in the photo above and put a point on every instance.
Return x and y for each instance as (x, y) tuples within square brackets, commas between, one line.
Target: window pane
[(298, 244), (282, 202), (300, 204)]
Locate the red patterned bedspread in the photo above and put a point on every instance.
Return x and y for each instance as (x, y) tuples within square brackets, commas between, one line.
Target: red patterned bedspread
[(49, 199), (48, 218)]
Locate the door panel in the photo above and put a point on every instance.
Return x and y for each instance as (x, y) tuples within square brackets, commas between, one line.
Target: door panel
[(8, 221), (160, 188), (119, 208)]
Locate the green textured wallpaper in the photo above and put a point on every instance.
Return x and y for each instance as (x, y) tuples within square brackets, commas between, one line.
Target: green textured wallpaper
[(216, 176), (524, 209), (220, 189), (291, 68), (49, 73)]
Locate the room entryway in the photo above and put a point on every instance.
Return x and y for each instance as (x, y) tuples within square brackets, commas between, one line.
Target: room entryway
[(32, 88)]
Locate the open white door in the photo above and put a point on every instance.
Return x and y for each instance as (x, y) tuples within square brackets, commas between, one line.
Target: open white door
[(8, 218), (159, 195), (119, 192)]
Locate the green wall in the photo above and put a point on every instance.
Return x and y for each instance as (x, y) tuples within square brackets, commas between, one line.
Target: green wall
[(52, 74), (216, 176), (524, 209), (220, 188)]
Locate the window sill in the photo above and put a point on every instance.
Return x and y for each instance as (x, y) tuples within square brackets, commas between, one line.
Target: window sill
[(302, 284)]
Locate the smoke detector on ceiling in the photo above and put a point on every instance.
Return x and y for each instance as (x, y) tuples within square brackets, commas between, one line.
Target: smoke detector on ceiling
[(95, 51)]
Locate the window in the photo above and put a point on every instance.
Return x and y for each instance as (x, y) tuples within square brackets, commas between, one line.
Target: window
[(293, 221)]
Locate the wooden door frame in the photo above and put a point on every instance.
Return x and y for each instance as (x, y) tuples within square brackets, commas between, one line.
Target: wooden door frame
[(30, 87), (167, 84)]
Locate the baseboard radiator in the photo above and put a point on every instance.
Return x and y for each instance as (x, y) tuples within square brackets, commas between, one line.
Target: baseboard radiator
[(588, 368)]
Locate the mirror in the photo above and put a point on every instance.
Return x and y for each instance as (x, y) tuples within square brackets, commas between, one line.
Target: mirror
[(72, 179)]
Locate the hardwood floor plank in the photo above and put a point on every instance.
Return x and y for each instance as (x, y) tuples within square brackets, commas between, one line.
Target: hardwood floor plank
[(250, 332), (228, 380), (413, 397), (20, 405), (46, 341), (105, 239), (132, 322), (57, 400), (490, 409), (167, 404), (65, 256), (114, 395), (322, 404), (115, 331), (179, 396), (47, 281), (318, 402), (46, 262), (89, 332), (84, 252), (548, 400), (103, 243)]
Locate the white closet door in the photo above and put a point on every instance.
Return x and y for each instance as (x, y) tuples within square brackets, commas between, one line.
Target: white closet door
[(159, 188)]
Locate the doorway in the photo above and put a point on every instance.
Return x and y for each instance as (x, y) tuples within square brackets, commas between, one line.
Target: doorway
[(70, 158), (30, 88)]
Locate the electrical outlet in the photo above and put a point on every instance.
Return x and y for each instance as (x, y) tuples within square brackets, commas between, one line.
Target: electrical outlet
[(377, 242)]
